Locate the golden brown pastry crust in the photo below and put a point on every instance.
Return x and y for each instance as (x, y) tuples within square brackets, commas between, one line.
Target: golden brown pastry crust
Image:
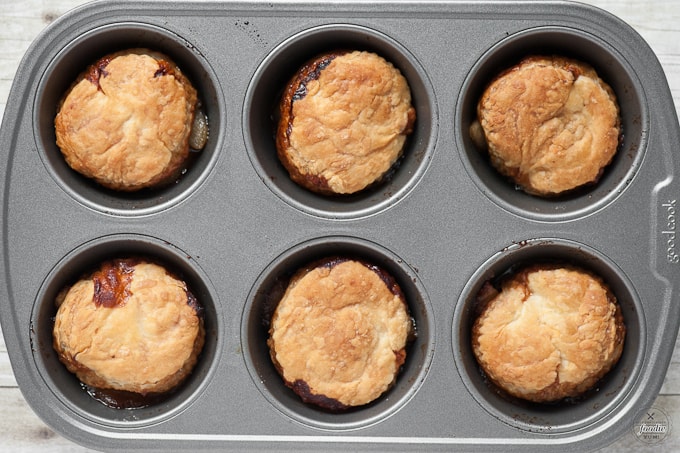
[(127, 119), (550, 333), (129, 326), (338, 336), (344, 119), (550, 124)]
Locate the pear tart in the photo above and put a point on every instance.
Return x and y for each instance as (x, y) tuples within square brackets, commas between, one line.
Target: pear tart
[(338, 335), (344, 120)]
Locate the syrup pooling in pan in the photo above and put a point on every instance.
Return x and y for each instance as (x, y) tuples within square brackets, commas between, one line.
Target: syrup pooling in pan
[(131, 332), (130, 120)]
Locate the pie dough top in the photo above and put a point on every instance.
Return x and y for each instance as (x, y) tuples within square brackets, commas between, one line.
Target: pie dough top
[(550, 124), (130, 326), (549, 334), (339, 334), (127, 119), (344, 121)]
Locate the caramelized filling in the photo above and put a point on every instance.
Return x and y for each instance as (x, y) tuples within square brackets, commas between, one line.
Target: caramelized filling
[(98, 70), (120, 399), (112, 283), (313, 71), (163, 68), (310, 71), (302, 389)]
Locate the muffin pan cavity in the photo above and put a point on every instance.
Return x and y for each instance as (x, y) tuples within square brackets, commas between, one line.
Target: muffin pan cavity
[(269, 289), (261, 118), (572, 413), (611, 67), (75, 58), (97, 406)]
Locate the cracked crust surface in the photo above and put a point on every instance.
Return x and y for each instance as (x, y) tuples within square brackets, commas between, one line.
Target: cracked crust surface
[(550, 124), (129, 326), (550, 333), (127, 119), (344, 119), (339, 333)]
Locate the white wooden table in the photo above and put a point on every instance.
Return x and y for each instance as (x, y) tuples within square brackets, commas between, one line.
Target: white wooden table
[(658, 21)]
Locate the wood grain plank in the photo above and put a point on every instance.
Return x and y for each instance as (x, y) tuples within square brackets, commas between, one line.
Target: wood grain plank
[(22, 431)]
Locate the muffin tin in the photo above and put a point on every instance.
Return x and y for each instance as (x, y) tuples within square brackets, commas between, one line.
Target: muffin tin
[(235, 226)]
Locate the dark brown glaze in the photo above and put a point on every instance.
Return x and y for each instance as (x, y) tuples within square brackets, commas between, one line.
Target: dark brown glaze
[(97, 70), (120, 399), (401, 356), (164, 68), (311, 71), (193, 303), (319, 183), (301, 388), (112, 283), (296, 89), (387, 278), (112, 279)]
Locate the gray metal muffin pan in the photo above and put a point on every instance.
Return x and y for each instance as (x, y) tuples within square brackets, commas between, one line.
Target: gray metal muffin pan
[(235, 226)]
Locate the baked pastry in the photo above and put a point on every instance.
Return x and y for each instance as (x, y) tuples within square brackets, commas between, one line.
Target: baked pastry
[(344, 119), (127, 120), (129, 326), (338, 336), (549, 333), (550, 124)]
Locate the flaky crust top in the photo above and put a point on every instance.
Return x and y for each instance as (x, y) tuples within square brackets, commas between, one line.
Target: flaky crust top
[(126, 121), (549, 334), (344, 119), (133, 327), (550, 123), (339, 334)]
